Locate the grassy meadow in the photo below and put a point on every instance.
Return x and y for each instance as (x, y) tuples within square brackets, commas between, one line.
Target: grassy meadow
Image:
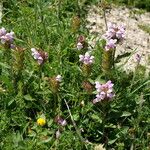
[(58, 92)]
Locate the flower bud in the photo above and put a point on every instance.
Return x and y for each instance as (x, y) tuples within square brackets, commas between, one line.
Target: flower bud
[(81, 43), (75, 24), (58, 134), (87, 86), (107, 60), (82, 104)]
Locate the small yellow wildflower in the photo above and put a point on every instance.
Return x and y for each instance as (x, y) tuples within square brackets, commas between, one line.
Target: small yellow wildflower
[(41, 121)]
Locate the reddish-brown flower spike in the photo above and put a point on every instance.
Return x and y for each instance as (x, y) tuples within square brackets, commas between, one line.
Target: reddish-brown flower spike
[(87, 86)]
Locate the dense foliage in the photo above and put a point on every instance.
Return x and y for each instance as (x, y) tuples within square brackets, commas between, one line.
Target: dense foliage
[(59, 92), (144, 4)]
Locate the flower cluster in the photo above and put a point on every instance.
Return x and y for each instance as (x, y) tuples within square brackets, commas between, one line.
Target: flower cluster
[(39, 55), (87, 59), (6, 38), (113, 35), (60, 121), (105, 91), (115, 32)]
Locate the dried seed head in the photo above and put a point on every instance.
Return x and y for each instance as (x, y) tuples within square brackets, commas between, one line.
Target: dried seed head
[(75, 23)]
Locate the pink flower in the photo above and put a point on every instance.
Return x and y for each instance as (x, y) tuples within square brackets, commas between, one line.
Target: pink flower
[(79, 46), (86, 59), (40, 56), (120, 34), (2, 31), (110, 44), (59, 120), (7, 38), (104, 91), (115, 32), (59, 78)]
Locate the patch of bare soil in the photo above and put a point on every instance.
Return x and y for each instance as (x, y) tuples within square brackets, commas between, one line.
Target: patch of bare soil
[(136, 41)]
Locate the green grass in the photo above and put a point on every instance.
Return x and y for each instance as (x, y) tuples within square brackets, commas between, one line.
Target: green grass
[(145, 28), (26, 91), (142, 4)]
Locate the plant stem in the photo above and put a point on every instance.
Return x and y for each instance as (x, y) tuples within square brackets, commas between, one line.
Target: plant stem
[(74, 124), (105, 19)]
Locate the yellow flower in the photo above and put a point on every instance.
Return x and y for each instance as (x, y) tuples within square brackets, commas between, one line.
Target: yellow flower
[(41, 121)]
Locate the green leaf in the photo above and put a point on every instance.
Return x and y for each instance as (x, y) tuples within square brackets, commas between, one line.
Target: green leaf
[(10, 102), (46, 140), (112, 141), (110, 126), (126, 114), (4, 65), (96, 118), (76, 117), (32, 133), (28, 98)]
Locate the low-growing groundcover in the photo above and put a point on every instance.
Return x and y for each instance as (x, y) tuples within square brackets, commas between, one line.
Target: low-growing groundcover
[(59, 92)]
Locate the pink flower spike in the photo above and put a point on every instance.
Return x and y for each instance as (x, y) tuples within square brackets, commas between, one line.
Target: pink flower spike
[(104, 91), (7, 38), (86, 59), (40, 56), (115, 32)]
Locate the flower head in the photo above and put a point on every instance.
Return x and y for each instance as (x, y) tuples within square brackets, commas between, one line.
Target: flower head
[(104, 91), (39, 55), (41, 121), (86, 59), (110, 44), (115, 32), (7, 38), (2, 31), (79, 46)]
